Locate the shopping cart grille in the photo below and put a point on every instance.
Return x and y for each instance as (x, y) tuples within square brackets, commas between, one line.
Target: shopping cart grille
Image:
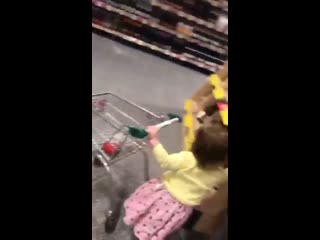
[(112, 115)]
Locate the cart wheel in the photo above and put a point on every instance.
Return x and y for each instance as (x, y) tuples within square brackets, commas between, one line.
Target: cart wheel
[(112, 218), (96, 160)]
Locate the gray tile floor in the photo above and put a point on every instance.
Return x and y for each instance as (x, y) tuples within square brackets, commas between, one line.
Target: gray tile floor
[(139, 76), (157, 84)]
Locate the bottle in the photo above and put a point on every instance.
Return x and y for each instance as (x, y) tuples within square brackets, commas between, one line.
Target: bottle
[(222, 23)]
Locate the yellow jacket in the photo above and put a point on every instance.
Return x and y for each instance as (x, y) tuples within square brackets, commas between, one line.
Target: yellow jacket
[(188, 183)]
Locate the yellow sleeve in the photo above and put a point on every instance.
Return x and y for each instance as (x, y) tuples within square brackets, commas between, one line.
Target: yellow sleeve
[(173, 162)]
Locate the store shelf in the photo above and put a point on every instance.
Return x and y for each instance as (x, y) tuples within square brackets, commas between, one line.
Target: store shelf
[(189, 17), (217, 5), (212, 67), (148, 20)]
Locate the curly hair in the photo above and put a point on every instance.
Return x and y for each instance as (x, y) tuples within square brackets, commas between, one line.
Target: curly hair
[(211, 142)]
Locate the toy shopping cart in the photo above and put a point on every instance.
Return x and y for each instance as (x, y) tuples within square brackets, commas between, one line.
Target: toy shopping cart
[(111, 141)]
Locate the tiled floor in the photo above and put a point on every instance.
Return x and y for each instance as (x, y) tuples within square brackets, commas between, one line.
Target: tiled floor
[(157, 84)]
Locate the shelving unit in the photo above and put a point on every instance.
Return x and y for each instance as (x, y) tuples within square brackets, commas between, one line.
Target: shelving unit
[(185, 58), (166, 28)]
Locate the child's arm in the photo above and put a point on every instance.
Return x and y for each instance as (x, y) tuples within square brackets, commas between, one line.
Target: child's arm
[(174, 161)]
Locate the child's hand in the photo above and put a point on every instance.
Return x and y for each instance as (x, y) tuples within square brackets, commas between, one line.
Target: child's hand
[(153, 132), (153, 135)]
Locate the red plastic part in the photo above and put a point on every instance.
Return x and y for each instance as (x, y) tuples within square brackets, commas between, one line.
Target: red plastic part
[(110, 148)]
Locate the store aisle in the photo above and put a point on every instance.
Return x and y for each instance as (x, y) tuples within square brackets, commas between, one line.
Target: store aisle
[(157, 84), (140, 76)]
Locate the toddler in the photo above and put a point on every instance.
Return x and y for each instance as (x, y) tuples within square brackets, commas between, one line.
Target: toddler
[(161, 206)]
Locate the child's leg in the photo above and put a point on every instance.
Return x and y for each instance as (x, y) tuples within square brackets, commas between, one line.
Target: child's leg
[(195, 216), (165, 217), (183, 218), (140, 201)]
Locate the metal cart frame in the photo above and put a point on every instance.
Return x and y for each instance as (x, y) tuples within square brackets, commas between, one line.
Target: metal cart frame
[(111, 115)]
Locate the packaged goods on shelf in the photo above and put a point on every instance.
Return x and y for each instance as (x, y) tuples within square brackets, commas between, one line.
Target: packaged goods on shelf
[(193, 29)]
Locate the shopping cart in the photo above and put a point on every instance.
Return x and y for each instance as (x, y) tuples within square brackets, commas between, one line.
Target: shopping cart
[(111, 116)]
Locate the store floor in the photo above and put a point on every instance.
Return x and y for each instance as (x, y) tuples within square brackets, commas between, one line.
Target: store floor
[(155, 83)]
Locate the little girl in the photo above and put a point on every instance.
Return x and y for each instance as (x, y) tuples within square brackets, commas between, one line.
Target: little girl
[(161, 206)]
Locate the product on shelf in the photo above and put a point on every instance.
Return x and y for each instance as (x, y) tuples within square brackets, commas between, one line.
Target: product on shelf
[(189, 30), (144, 4), (167, 19), (210, 34), (177, 4), (184, 29), (222, 23)]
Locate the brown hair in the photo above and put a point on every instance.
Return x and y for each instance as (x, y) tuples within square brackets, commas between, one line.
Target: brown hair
[(211, 142)]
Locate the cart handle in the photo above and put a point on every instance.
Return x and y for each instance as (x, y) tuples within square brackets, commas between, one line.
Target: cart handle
[(142, 133)]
